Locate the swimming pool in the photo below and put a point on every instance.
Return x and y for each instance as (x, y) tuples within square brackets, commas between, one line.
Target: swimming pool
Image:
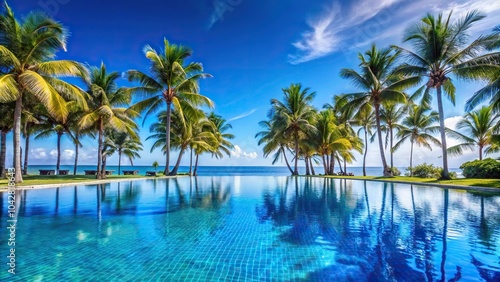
[(246, 228)]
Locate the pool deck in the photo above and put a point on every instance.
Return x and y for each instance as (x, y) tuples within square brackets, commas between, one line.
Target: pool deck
[(90, 182), (448, 186)]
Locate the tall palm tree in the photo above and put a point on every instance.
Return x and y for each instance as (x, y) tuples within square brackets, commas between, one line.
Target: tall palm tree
[(365, 119), (418, 128), (440, 49), (104, 111), (293, 116), (6, 125), (125, 145), (379, 84), (27, 49), (479, 127), (173, 82)]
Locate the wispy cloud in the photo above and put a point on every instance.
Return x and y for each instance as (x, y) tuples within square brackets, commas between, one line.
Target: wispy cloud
[(351, 27), (327, 31), (243, 115)]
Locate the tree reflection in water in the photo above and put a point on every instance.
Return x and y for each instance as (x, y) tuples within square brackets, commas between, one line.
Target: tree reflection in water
[(382, 232)]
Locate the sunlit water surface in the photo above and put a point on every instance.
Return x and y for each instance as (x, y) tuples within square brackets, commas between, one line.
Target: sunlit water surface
[(247, 228)]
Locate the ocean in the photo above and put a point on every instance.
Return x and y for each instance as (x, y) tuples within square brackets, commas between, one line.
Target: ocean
[(218, 170)]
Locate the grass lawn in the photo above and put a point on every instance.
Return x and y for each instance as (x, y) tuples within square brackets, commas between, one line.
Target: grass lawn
[(494, 183), (30, 180)]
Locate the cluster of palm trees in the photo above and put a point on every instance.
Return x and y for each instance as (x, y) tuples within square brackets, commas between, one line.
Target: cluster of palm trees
[(34, 99), (440, 49)]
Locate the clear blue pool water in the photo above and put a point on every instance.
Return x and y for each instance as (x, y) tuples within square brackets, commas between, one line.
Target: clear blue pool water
[(249, 228)]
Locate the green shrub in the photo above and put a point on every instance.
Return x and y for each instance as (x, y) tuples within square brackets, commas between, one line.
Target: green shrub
[(487, 168), (428, 171), (395, 171)]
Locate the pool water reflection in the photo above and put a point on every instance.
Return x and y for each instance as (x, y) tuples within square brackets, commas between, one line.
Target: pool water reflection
[(246, 228)]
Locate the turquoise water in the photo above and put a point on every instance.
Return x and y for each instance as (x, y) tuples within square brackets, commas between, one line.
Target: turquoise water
[(245, 228)]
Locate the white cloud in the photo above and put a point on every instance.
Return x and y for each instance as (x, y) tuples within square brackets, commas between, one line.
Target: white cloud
[(68, 154), (327, 31), (243, 115), (237, 152), (53, 154), (351, 28), (451, 122), (39, 154)]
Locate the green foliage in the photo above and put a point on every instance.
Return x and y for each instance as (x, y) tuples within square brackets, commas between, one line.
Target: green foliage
[(395, 171), (155, 165), (428, 171), (487, 168)]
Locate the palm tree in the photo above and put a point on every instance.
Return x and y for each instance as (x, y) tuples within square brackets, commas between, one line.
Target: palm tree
[(218, 126), (274, 141), (122, 143), (479, 126), (186, 132), (105, 97), (6, 124), (417, 127), (390, 114), (441, 49), (293, 116), (173, 82), (365, 118), (329, 139), (380, 84), (492, 89), (27, 49), (49, 126)]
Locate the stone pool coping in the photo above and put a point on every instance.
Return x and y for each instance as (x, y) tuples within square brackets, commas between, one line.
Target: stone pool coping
[(448, 186), (90, 182)]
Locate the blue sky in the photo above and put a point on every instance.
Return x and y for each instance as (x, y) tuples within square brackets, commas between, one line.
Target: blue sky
[(253, 49)]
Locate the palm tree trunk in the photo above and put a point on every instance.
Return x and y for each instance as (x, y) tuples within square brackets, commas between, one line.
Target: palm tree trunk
[(58, 162), (191, 162), (26, 150), (103, 169), (480, 152), (345, 166), (177, 164), (3, 140), (306, 160), (18, 177), (392, 153), (119, 160), (325, 163), (99, 149), (445, 174), (296, 169), (411, 159), (167, 153), (286, 159), (196, 165), (76, 155), (387, 171), (312, 167), (365, 153), (332, 164)]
